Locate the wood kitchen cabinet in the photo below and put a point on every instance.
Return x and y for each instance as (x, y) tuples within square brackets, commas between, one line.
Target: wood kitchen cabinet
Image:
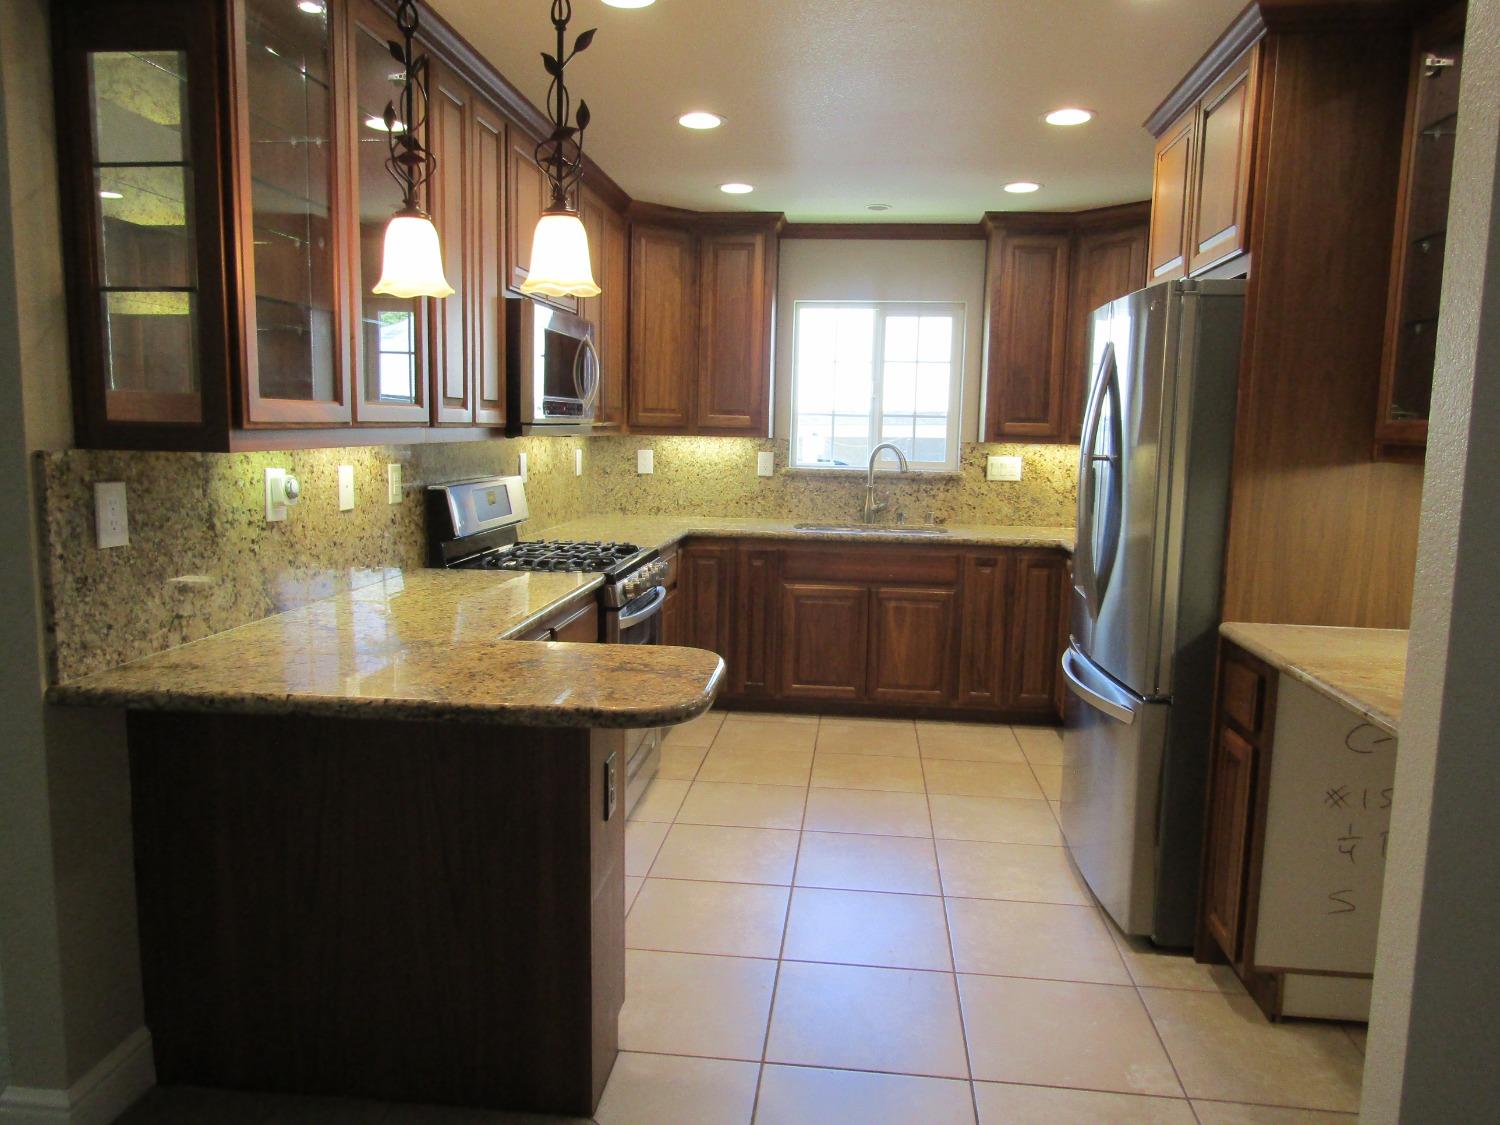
[(757, 637), (912, 631), (1046, 274), (663, 327), (609, 312), (1033, 653), (1171, 191), (706, 584), (823, 637), (736, 284)]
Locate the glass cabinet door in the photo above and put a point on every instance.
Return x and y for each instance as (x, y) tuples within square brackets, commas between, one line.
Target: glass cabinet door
[(296, 358)]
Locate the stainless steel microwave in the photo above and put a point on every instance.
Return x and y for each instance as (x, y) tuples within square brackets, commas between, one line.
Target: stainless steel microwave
[(552, 369)]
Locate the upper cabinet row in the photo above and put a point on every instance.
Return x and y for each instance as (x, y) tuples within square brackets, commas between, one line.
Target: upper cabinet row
[(226, 199)]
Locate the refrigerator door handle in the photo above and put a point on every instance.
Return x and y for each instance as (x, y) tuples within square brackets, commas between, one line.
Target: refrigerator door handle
[(1100, 694), (1084, 563)]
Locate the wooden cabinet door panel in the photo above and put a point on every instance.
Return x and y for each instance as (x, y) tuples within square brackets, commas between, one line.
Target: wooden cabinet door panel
[(663, 328), (911, 645), (706, 583), (1171, 198), (1032, 651), (609, 253), (985, 626), (1106, 265), (1221, 181), (1028, 337), (734, 338), (488, 279), (823, 641), (452, 204), (672, 632), (756, 623), (1227, 848), (579, 626)]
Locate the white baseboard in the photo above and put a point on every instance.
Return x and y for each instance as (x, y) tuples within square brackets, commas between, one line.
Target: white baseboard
[(111, 1087)]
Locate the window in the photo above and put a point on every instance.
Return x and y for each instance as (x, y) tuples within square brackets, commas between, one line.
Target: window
[(869, 372), (397, 350)]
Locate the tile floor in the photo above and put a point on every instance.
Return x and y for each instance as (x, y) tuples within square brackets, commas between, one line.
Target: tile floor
[(874, 922)]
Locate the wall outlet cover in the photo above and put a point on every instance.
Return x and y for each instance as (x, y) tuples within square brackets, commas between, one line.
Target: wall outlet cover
[(346, 488), (393, 484), (521, 465), (645, 462), (282, 491), (578, 462), (111, 521), (1002, 468), (765, 464)]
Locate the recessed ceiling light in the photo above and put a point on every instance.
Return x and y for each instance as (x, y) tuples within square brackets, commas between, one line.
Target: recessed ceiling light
[(311, 7), (1022, 187), (110, 195), (1069, 115), (877, 207), (736, 189), (630, 3), (700, 119)]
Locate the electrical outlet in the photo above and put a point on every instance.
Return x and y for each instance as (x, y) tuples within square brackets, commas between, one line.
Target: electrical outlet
[(645, 462), (765, 464), (111, 522), (282, 491), (578, 462), (521, 472), (346, 488), (393, 484), (1002, 468)]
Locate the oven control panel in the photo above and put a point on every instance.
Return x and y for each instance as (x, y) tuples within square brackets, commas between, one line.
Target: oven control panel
[(654, 573)]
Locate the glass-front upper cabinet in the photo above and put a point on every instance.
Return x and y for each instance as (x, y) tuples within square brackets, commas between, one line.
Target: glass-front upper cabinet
[(143, 226), (288, 87)]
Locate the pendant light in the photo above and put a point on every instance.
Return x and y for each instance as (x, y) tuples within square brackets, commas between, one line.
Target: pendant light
[(413, 262), (560, 265)]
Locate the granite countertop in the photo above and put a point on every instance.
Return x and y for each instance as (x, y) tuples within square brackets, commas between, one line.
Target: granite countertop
[(1362, 669), (662, 531), (425, 644)]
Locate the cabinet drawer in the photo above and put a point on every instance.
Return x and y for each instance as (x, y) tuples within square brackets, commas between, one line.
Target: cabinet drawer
[(1243, 695), (877, 563)]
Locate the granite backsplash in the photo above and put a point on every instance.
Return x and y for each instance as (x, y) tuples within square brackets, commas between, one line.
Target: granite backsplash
[(202, 559)]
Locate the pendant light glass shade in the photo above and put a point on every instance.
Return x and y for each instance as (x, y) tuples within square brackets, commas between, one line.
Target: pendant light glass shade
[(560, 265), (413, 263)]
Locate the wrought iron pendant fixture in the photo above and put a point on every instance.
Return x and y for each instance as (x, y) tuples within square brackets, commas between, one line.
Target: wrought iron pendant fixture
[(412, 265), (560, 265)]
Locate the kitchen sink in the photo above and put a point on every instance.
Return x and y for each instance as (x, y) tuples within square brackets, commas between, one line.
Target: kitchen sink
[(872, 528)]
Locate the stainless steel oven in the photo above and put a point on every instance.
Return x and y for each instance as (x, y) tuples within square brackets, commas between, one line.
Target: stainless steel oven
[(552, 369)]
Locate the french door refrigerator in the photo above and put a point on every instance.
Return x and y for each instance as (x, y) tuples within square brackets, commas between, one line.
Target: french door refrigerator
[(1152, 501)]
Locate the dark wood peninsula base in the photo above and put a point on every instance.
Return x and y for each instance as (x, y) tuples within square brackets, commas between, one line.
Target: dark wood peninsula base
[(400, 910)]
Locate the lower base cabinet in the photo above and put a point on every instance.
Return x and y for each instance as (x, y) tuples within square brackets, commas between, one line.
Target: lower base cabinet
[(876, 628)]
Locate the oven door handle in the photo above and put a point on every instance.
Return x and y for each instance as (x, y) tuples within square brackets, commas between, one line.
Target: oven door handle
[(658, 595)]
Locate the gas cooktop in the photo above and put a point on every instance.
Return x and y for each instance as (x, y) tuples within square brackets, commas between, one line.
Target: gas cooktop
[(560, 554)]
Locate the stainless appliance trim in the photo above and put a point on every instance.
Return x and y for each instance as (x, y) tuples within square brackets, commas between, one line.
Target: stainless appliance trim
[(524, 405), (1099, 694), (657, 595)]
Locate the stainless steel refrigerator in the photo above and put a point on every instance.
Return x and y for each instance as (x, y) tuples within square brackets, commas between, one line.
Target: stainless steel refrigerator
[(1152, 501)]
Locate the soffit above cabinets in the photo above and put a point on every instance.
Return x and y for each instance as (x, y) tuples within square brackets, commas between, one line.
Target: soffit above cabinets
[(928, 105)]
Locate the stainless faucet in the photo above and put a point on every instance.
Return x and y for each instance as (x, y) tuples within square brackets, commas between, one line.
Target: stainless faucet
[(872, 508)]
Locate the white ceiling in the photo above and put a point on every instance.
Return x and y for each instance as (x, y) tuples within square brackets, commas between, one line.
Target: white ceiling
[(831, 105)]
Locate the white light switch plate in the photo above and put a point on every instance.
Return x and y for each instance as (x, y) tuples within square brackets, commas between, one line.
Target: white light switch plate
[(275, 502), (1002, 468), (521, 469), (111, 523), (346, 488), (393, 484), (578, 462), (645, 462), (765, 464)]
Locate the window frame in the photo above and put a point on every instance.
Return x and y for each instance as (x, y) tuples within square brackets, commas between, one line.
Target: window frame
[(958, 310)]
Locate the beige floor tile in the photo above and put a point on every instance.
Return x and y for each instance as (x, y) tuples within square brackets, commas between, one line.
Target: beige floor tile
[(855, 862), (769, 717), (672, 1090), (632, 888), (642, 841), (662, 799), (696, 732), (1025, 872), (854, 810), (899, 1020), (864, 771), (727, 855), (1231, 1113), (758, 767), (998, 820), (1151, 967), (1050, 778), (1060, 1033), (734, 919), (743, 805), (1226, 1050), (680, 763), (803, 1095), (1004, 1104), (679, 1004), (867, 928), (968, 742), (981, 779), (1033, 939), (1041, 745), (895, 738), (766, 734)]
